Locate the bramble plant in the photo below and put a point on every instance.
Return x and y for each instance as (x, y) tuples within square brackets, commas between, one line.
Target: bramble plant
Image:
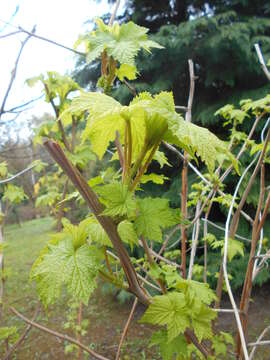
[(89, 127), (78, 255)]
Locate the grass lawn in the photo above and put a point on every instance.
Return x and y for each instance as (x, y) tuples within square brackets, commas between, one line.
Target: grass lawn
[(105, 320)]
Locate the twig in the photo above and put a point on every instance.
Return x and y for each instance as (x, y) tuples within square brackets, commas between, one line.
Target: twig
[(194, 241), (257, 342), (180, 155), (119, 148), (224, 264), (23, 336), (235, 219), (58, 119), (266, 342), (114, 12), (181, 108), (31, 33), (261, 60), (57, 334), (22, 105), (10, 34), (184, 193), (13, 74), (126, 328), (223, 229), (16, 175), (49, 41)]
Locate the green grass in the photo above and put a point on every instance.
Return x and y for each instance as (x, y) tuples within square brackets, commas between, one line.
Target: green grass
[(23, 245)]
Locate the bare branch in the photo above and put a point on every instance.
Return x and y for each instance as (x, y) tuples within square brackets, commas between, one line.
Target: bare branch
[(13, 74), (126, 328), (10, 34), (12, 110), (258, 342), (57, 334), (16, 175), (23, 336)]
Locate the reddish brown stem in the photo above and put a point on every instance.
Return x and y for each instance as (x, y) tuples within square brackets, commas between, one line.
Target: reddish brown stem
[(246, 292), (126, 328), (107, 223)]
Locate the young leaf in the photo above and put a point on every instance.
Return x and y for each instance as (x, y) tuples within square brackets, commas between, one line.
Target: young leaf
[(14, 194), (168, 349), (235, 247), (169, 310), (202, 317), (155, 178), (126, 71), (196, 290), (64, 265), (119, 201), (3, 169), (121, 42), (154, 215), (96, 233), (127, 233)]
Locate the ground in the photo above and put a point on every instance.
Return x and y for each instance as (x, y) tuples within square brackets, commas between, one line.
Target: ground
[(106, 316)]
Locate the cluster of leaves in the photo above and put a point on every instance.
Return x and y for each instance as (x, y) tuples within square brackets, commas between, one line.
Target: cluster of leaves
[(185, 306), (117, 47), (75, 257)]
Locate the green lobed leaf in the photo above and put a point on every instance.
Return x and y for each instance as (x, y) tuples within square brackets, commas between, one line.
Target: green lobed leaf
[(153, 216), (196, 290), (178, 346), (65, 265), (169, 310), (121, 42), (119, 201), (126, 71), (127, 233), (96, 233), (155, 178)]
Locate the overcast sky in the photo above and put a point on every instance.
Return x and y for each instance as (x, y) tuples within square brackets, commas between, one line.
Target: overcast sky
[(60, 20)]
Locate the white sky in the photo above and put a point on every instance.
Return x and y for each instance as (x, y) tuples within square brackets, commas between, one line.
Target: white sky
[(60, 20)]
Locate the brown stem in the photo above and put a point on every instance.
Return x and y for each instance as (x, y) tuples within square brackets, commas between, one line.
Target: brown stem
[(107, 223), (59, 121), (23, 336), (236, 216), (107, 261), (119, 149), (151, 261), (126, 328), (246, 292), (145, 166), (57, 334), (234, 224)]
